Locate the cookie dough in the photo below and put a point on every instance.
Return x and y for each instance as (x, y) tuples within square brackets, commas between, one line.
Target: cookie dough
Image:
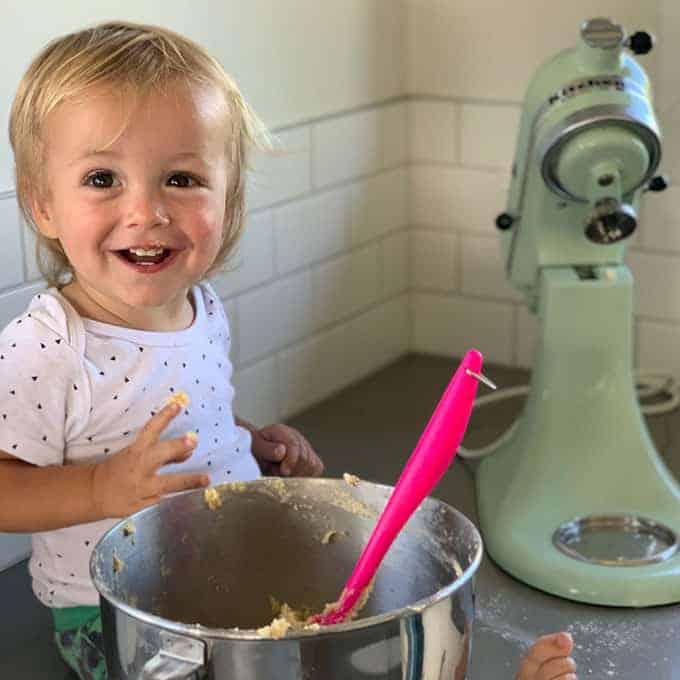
[(212, 498), (352, 480)]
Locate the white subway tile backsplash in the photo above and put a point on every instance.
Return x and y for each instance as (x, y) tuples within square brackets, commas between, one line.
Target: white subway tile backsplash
[(657, 285), (283, 173), (434, 260), (328, 362), (457, 198), (14, 302), (394, 125), (346, 284), (11, 254), (256, 397), (253, 261), (377, 338), (312, 229), (488, 134), (452, 325), (491, 50), (32, 270), (396, 317), (659, 227), (433, 131), (379, 205), (272, 317), (395, 264), (346, 147), (312, 370), (658, 348), (483, 269)]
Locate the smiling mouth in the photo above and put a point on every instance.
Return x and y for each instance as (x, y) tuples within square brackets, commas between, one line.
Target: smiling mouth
[(144, 256)]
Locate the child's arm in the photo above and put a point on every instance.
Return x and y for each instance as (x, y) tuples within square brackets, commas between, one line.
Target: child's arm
[(282, 450), (34, 498)]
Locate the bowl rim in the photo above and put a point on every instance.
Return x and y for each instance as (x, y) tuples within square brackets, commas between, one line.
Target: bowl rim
[(197, 630)]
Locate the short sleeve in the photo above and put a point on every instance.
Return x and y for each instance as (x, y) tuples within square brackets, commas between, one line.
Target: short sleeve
[(43, 389), (213, 306)]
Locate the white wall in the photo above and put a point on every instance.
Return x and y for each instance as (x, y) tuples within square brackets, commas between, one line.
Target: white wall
[(317, 295), (294, 59)]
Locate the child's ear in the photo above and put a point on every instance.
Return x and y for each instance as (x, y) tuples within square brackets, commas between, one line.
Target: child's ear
[(42, 217)]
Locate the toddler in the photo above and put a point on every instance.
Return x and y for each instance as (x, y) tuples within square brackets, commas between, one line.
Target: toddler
[(130, 147)]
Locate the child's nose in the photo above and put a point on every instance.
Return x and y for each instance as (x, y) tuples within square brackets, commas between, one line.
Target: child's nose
[(146, 209)]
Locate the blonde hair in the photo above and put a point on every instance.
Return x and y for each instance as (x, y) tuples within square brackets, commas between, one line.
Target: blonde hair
[(126, 55)]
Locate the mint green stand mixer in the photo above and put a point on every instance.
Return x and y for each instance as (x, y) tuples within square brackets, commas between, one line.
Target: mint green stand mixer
[(574, 499)]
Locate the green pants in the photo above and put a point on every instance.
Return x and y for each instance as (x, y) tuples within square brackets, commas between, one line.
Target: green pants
[(79, 639)]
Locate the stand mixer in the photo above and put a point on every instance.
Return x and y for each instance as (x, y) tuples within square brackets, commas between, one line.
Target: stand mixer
[(574, 499)]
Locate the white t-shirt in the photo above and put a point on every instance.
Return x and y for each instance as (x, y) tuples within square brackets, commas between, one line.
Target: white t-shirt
[(77, 390)]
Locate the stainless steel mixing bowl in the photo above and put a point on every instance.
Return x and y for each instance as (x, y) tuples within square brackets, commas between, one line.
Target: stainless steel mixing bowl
[(184, 587)]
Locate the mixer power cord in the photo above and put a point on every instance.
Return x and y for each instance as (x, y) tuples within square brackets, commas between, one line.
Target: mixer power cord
[(648, 386)]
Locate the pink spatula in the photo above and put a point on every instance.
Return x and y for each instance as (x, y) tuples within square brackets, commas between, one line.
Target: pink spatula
[(429, 461)]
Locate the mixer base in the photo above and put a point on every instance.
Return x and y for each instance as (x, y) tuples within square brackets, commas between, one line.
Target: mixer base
[(581, 450)]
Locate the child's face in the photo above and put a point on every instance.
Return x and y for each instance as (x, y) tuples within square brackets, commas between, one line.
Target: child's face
[(159, 184)]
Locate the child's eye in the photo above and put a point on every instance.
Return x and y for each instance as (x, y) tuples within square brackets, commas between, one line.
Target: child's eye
[(101, 179), (182, 181)]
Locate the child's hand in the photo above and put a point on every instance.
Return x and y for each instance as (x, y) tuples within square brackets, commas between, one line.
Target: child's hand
[(282, 451), (129, 481), (548, 659)]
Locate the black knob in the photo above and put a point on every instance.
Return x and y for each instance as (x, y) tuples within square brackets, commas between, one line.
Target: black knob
[(504, 221), (640, 42), (658, 183)]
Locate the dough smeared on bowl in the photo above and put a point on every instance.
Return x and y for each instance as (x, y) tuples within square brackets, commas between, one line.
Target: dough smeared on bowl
[(332, 535), (118, 564), (286, 619), (352, 480), (212, 498)]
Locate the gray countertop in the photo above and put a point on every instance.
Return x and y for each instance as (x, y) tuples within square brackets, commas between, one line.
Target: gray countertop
[(369, 429)]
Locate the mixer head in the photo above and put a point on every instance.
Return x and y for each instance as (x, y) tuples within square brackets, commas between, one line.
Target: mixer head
[(589, 145)]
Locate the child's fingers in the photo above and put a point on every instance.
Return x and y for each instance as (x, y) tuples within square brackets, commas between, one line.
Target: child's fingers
[(154, 427), (270, 451), (175, 450), (293, 453), (557, 669), (313, 465), (308, 464), (175, 481)]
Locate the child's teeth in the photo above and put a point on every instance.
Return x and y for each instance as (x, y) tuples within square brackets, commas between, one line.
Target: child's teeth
[(144, 252)]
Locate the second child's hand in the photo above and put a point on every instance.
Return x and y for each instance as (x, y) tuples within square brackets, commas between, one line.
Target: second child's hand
[(128, 480)]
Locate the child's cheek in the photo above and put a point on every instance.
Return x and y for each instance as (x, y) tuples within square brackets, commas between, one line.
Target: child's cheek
[(209, 223)]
